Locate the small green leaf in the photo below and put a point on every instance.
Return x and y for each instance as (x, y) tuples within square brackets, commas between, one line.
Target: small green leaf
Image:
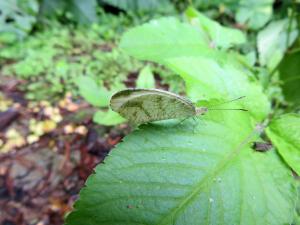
[(92, 93), (108, 118), (145, 78), (289, 70), (254, 13), (273, 41), (218, 36), (285, 135)]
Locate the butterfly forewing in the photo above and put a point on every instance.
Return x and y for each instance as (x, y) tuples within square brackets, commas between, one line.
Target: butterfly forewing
[(146, 105)]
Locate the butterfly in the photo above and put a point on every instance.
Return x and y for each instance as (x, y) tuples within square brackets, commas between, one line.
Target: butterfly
[(140, 106)]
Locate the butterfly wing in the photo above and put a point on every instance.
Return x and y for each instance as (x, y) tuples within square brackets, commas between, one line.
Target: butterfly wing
[(146, 105)]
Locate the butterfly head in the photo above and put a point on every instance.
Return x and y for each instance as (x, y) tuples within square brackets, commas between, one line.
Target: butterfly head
[(201, 110)]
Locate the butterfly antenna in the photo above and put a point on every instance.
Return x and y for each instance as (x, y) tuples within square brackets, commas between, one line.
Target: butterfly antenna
[(236, 99), (245, 110)]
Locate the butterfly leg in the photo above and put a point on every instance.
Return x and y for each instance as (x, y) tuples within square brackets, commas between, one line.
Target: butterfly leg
[(184, 119), (202, 121), (198, 121)]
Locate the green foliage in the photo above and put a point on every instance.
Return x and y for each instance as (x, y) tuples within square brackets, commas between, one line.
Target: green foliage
[(83, 12), (285, 135), (140, 5), (254, 13), (202, 171), (63, 55), (251, 14), (52, 8), (17, 18), (274, 40)]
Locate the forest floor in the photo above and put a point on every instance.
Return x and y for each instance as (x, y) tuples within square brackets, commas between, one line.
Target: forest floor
[(46, 155)]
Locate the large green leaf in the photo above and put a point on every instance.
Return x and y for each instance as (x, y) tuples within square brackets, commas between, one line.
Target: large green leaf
[(254, 13), (164, 38), (201, 172), (83, 11), (273, 41), (285, 135)]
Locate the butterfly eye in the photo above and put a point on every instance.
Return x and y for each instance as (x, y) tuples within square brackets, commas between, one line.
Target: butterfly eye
[(201, 110)]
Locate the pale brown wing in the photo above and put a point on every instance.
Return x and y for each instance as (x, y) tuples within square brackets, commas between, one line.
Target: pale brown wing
[(146, 105)]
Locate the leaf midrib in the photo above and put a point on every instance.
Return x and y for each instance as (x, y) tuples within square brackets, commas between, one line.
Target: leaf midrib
[(205, 181)]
